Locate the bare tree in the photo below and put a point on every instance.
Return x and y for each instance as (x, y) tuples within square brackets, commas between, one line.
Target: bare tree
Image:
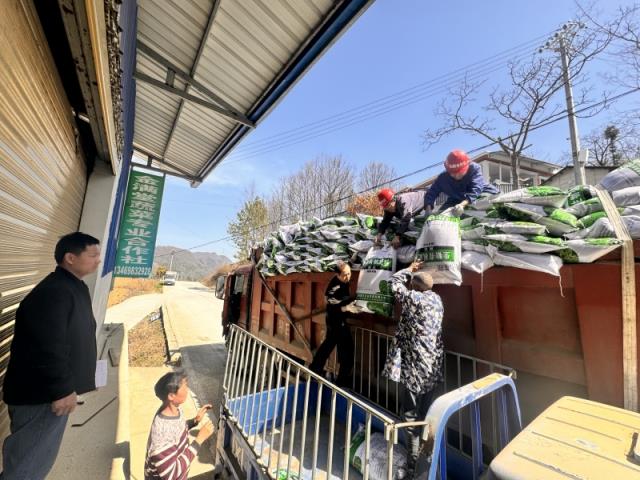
[(512, 113), (613, 145), (376, 174), (320, 188), (623, 28)]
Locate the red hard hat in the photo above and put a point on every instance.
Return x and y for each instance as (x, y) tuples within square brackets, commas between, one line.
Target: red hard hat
[(457, 162), (385, 196)]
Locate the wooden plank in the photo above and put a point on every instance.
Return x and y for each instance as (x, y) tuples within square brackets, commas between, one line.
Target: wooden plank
[(628, 280)]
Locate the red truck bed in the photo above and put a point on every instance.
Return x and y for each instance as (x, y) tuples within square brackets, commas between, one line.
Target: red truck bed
[(561, 342)]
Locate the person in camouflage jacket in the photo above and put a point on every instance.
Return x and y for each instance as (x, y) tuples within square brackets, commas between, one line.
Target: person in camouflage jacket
[(416, 356)]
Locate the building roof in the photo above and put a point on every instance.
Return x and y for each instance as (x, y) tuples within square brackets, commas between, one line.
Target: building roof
[(569, 168), (207, 72), (500, 155)]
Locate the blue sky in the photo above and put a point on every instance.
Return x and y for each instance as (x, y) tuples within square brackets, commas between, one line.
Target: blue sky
[(393, 46)]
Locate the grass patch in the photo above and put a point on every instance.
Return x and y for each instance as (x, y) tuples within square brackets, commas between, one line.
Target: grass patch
[(124, 288), (147, 344)]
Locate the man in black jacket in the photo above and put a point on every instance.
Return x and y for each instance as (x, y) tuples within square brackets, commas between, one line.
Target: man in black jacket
[(338, 332), (53, 359)]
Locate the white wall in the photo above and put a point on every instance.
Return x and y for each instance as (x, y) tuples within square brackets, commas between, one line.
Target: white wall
[(95, 220)]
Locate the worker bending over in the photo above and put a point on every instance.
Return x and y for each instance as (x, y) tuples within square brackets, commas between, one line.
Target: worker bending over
[(403, 206)]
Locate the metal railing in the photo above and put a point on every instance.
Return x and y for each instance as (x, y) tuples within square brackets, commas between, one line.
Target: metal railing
[(267, 396), (286, 421)]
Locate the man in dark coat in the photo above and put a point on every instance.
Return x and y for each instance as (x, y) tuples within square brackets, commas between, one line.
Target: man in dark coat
[(338, 332), (53, 359)]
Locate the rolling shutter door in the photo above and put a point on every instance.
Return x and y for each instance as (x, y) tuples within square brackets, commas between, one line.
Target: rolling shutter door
[(42, 172)]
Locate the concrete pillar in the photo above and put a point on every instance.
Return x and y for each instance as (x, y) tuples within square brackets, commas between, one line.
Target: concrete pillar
[(95, 220)]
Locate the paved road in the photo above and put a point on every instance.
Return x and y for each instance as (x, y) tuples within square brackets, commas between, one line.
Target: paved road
[(195, 319)]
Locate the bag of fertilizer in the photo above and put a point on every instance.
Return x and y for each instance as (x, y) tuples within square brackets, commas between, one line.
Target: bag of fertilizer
[(331, 262), (557, 220), (585, 208), (339, 221), (476, 261), (483, 202), (439, 247), (516, 227), (588, 220), (588, 250), (544, 263), (478, 214), (602, 228), (406, 254), (626, 197), (374, 291), (473, 233), (545, 196), (522, 244), (410, 237), (361, 246), (334, 247), (628, 175), (632, 211), (468, 222), (330, 235), (580, 194), (479, 246), (288, 233), (368, 221), (377, 456)]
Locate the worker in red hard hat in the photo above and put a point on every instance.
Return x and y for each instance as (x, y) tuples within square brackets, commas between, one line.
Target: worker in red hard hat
[(403, 206), (462, 182)]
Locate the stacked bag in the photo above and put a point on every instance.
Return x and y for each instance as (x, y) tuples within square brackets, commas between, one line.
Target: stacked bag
[(534, 228), (540, 228)]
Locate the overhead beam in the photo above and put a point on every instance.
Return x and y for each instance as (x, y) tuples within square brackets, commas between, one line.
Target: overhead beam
[(143, 77), (192, 72), (337, 21), (184, 76), (155, 158)]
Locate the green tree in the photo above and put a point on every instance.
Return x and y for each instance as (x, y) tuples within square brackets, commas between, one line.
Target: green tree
[(249, 226), (160, 271)]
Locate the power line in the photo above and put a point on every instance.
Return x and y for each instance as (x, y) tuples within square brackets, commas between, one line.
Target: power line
[(395, 95), (378, 107), (553, 119)]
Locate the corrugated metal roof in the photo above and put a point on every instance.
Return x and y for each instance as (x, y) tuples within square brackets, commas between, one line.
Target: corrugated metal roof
[(209, 70)]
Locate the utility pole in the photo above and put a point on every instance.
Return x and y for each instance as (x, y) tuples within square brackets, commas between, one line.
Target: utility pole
[(171, 261), (559, 43)]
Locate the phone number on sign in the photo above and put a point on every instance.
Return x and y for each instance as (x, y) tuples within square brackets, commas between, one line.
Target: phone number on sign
[(133, 270)]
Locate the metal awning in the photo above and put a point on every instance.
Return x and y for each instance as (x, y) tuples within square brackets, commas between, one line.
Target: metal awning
[(208, 71)]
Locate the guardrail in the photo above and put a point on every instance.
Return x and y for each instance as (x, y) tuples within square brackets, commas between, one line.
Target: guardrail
[(280, 420)]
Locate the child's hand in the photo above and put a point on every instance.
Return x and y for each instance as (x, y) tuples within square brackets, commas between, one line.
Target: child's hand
[(202, 412), (206, 430)]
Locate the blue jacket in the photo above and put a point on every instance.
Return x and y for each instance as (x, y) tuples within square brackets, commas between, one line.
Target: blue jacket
[(468, 187)]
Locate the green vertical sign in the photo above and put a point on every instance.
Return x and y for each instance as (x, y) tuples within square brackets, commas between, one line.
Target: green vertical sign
[(139, 225)]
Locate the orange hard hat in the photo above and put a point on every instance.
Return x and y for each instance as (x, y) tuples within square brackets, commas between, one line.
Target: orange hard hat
[(457, 162), (385, 196)]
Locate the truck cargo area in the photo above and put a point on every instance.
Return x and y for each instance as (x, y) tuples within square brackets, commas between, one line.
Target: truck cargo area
[(279, 420)]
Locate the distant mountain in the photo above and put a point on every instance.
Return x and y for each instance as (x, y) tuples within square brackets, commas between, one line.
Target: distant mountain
[(189, 265)]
